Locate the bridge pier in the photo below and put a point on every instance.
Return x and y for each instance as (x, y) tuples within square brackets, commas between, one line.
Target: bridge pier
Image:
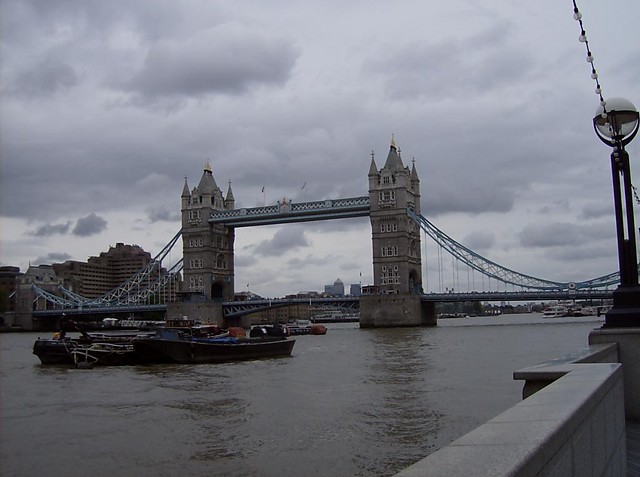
[(203, 311), (206, 312), (380, 311)]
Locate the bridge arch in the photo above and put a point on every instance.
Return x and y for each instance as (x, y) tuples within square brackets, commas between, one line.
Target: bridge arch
[(217, 291)]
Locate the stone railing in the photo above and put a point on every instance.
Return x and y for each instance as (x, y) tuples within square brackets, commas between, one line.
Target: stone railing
[(574, 425)]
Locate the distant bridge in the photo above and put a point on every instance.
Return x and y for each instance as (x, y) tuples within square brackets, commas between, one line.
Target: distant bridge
[(240, 308)]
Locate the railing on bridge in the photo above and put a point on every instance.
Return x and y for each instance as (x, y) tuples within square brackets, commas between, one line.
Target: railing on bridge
[(246, 307), (125, 308), (523, 296), (287, 212)]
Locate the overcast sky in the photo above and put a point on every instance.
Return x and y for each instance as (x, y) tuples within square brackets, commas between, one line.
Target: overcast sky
[(107, 105)]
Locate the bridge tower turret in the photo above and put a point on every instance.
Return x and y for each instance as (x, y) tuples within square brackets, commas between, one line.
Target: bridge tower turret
[(207, 249), (397, 262), (396, 237)]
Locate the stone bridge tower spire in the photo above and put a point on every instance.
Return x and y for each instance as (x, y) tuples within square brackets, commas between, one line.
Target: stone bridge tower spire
[(397, 264), (207, 252), (396, 237)]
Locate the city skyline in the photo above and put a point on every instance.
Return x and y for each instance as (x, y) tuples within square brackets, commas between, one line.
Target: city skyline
[(105, 110)]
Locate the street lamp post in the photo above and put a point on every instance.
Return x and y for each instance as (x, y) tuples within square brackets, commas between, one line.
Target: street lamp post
[(616, 124)]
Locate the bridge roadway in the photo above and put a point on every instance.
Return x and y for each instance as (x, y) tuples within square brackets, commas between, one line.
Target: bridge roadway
[(526, 296), (239, 308), (106, 309)]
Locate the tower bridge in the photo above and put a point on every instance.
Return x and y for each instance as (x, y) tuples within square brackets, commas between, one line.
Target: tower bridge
[(209, 220)]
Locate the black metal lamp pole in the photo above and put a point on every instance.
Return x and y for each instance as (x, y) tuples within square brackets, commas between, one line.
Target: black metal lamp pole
[(616, 124)]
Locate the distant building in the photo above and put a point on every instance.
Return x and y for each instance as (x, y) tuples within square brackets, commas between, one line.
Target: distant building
[(355, 289), (41, 275), (99, 275), (8, 280), (286, 314), (337, 289)]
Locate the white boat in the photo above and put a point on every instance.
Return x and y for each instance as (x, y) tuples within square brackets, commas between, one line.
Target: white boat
[(555, 311)]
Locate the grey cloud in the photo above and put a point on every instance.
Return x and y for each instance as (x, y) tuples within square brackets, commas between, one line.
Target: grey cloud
[(309, 260), (339, 225), (92, 224), (47, 230), (440, 199), (242, 260), (48, 19), (284, 240), (597, 210), (576, 254), (479, 240), (227, 59), (162, 214), (551, 235), (556, 205), (453, 67), (561, 235), (53, 257), (352, 267), (44, 79)]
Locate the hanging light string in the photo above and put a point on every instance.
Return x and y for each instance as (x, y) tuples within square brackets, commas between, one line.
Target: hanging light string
[(635, 194), (577, 15)]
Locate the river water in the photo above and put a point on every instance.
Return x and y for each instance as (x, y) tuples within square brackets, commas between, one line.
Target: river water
[(351, 403)]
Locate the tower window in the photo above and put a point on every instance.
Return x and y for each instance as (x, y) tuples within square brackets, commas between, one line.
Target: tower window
[(389, 251), (386, 195), (388, 227), (196, 263)]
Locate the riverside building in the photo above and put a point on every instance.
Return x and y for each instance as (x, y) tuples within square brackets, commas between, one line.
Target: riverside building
[(99, 275)]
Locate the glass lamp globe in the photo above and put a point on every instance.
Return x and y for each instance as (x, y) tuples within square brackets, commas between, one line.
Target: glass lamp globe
[(619, 124)]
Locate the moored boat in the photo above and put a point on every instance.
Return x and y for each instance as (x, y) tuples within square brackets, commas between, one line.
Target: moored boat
[(103, 350), (306, 327), (64, 349), (103, 354), (173, 345), (55, 351), (188, 342), (555, 311)]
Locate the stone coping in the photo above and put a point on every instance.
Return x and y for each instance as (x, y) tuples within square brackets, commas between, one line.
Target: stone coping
[(558, 367), (525, 439)]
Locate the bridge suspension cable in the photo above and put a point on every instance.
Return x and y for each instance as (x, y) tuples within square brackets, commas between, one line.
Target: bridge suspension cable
[(498, 272), (139, 288), (116, 295)]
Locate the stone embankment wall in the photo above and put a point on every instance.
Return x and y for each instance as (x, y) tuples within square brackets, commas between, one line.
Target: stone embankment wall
[(571, 424)]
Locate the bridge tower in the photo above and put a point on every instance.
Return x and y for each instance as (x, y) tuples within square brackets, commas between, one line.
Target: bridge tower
[(397, 263), (208, 265)]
